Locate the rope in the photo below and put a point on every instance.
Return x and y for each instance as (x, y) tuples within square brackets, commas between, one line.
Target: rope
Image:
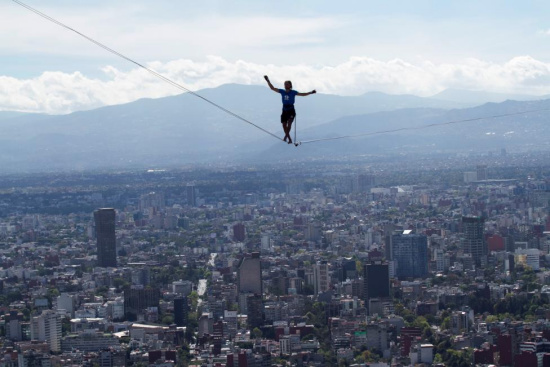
[(423, 127), (160, 76)]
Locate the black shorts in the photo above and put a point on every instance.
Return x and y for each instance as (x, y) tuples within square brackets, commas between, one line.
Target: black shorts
[(288, 114)]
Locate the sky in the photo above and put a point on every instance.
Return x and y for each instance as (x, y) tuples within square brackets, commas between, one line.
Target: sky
[(341, 47)]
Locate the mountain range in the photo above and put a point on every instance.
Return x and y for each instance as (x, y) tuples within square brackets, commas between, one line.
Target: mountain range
[(184, 129)]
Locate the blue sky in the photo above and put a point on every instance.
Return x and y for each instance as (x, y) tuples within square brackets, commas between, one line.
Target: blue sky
[(338, 47)]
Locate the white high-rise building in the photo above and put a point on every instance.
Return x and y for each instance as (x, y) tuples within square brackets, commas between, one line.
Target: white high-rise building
[(266, 241), (47, 327)]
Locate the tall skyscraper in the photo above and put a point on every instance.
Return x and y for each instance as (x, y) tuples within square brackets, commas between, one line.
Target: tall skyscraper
[(191, 195), (321, 279), (255, 313), (473, 241), (410, 251), (376, 280), (389, 230), (249, 274), (106, 238), (181, 311)]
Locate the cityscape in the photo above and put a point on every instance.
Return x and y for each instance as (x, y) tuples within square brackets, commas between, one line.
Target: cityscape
[(169, 198), (436, 260)]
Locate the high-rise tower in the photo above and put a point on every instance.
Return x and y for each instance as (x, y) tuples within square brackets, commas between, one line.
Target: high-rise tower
[(376, 280), (191, 195), (249, 274), (473, 241), (106, 239), (47, 327), (410, 251)]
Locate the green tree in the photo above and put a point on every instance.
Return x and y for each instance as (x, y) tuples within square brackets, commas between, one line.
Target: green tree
[(257, 333), (168, 319)]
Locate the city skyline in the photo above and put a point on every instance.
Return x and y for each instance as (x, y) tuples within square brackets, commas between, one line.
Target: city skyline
[(316, 274)]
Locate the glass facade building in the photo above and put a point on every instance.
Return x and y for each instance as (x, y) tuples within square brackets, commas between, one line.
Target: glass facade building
[(410, 252)]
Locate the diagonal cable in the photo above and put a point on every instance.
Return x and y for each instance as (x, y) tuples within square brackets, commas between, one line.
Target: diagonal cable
[(158, 75), (423, 126)]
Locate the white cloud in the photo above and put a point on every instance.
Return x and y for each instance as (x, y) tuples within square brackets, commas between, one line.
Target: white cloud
[(57, 92), (135, 32)]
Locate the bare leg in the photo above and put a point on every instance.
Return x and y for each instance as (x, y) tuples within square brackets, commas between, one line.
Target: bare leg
[(289, 128)]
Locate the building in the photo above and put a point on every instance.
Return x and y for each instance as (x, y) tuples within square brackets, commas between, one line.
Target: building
[(481, 172), (88, 341), (376, 280), (255, 314), (239, 232), (136, 299), (312, 232), (191, 195), (184, 287), (106, 238), (152, 200), (47, 327), (460, 322), (13, 326), (347, 270), (249, 274), (529, 257), (321, 280), (363, 183), (66, 302), (410, 252), (33, 358), (206, 324), (181, 311), (473, 242)]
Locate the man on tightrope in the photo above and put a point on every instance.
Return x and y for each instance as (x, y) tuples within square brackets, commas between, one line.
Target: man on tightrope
[(289, 113)]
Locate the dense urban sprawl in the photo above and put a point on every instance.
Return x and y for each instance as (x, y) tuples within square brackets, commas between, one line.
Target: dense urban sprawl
[(408, 261)]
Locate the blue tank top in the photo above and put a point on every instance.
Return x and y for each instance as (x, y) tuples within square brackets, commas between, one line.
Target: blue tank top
[(288, 97)]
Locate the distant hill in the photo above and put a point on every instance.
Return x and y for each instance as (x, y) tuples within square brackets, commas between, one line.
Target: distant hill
[(184, 129), (11, 114), (474, 98), (519, 132)]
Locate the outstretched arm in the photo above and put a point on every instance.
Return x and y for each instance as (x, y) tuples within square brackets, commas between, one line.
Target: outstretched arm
[(307, 94), (270, 85)]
